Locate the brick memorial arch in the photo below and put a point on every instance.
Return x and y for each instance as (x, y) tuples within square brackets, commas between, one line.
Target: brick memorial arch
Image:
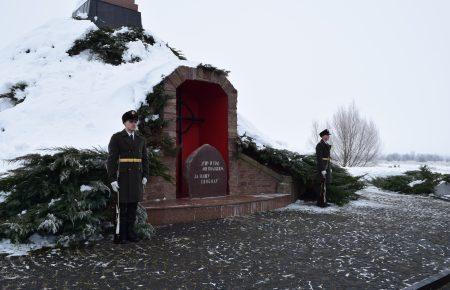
[(211, 97), (202, 109)]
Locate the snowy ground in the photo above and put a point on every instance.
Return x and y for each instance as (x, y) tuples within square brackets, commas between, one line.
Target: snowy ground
[(383, 240), (384, 169)]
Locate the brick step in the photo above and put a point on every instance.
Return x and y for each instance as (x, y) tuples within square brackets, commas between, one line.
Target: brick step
[(187, 210)]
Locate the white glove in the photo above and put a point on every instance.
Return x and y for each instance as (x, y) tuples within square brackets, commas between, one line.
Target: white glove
[(324, 173), (115, 186), (144, 180)]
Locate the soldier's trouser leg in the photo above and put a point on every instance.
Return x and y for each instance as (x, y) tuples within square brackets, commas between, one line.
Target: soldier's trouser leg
[(319, 182), (131, 218), (329, 192), (328, 183), (123, 220)]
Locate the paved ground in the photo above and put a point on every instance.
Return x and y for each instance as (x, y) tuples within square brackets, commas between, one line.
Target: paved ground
[(383, 241)]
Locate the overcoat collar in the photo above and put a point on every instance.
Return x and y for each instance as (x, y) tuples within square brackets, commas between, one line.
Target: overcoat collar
[(124, 133), (321, 140)]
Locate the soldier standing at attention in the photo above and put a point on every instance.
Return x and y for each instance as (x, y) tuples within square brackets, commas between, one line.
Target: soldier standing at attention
[(323, 149), (128, 172)]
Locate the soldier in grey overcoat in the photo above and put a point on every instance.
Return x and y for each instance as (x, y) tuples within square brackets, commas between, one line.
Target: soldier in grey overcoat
[(128, 172)]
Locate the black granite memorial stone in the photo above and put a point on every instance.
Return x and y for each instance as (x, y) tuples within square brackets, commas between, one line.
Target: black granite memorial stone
[(206, 172)]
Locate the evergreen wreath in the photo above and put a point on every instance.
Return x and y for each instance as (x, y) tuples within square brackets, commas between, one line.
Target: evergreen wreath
[(213, 69), (109, 45), (177, 52)]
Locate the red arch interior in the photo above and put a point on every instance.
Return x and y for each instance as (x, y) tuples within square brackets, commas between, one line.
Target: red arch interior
[(209, 102)]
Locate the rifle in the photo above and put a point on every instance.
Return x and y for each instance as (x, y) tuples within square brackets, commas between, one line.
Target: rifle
[(117, 216), (117, 233), (323, 192), (323, 187)]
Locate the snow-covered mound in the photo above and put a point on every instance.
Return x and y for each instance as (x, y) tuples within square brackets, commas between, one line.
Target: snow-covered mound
[(261, 139), (75, 100), (72, 101)]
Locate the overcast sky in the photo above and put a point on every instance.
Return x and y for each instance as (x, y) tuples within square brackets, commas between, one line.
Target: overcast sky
[(296, 61)]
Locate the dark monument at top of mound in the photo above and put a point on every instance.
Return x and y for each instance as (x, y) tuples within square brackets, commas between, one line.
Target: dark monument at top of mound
[(110, 13)]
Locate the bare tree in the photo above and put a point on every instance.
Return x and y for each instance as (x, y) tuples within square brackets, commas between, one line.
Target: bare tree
[(314, 138), (356, 141)]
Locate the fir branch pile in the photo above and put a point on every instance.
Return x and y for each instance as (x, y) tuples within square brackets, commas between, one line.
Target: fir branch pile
[(302, 168), (177, 52), (422, 181), (151, 125), (213, 69), (12, 93), (64, 195), (109, 45)]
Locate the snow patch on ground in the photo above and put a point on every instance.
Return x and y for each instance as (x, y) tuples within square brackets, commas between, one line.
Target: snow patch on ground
[(366, 203), (368, 199), (309, 206), (36, 242)]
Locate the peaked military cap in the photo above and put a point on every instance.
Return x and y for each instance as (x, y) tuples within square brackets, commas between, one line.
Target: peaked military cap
[(324, 132), (130, 115)]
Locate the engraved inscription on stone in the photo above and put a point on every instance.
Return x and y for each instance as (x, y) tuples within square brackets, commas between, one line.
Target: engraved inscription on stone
[(206, 172)]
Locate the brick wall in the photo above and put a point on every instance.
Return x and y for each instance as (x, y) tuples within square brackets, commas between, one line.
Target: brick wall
[(255, 178)]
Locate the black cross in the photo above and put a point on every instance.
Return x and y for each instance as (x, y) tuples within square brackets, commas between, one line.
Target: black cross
[(192, 119)]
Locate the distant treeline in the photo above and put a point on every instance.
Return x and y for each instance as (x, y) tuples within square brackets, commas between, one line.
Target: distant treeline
[(420, 157)]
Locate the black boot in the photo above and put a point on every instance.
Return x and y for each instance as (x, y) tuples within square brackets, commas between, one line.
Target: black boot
[(131, 218), (131, 235), (123, 234)]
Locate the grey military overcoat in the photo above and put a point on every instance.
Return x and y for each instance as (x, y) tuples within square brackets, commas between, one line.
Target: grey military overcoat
[(128, 174)]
